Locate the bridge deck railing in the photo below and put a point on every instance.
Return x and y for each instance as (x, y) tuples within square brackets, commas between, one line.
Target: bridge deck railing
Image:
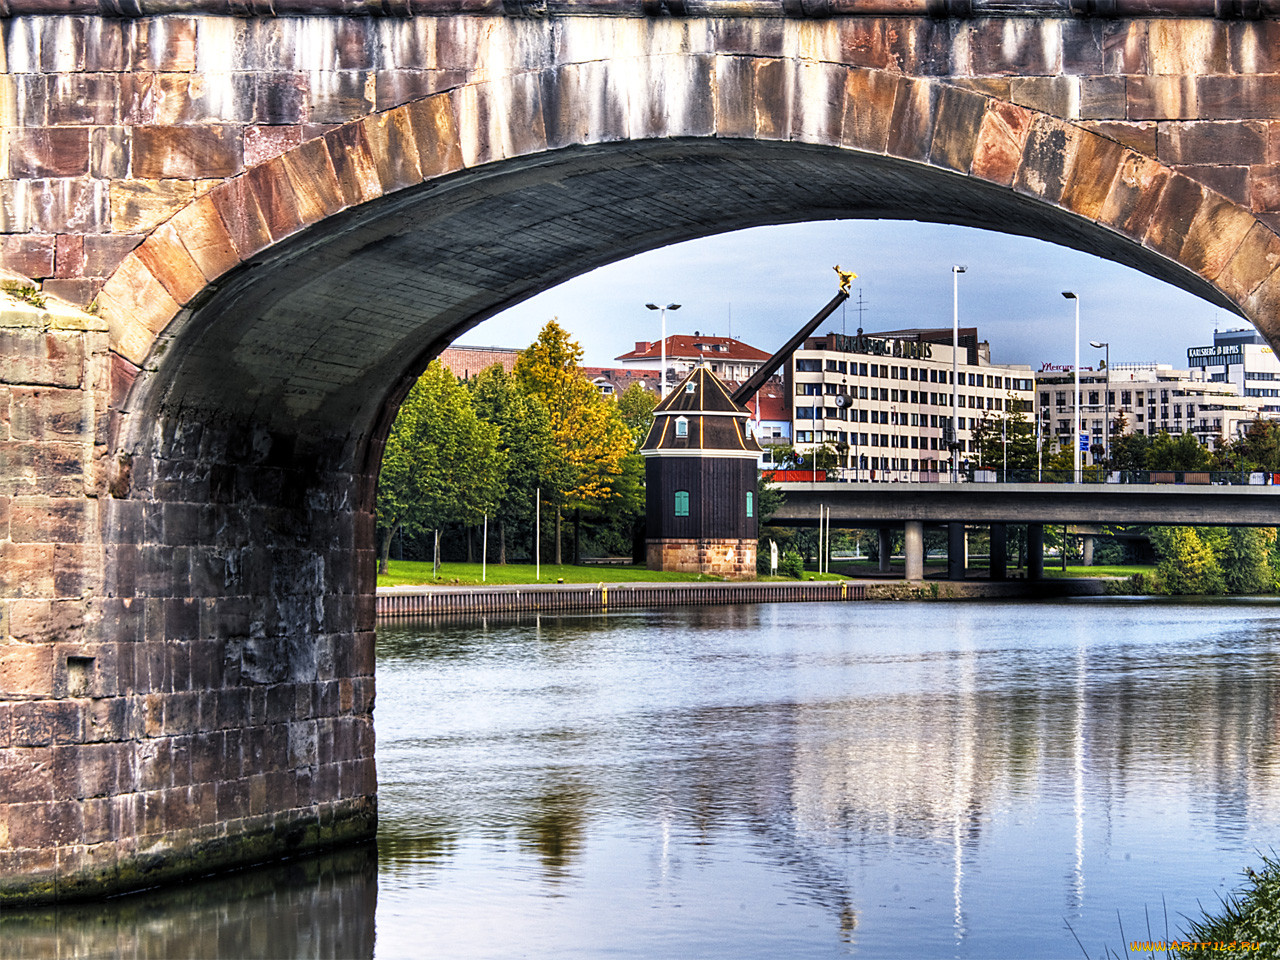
[(1091, 475)]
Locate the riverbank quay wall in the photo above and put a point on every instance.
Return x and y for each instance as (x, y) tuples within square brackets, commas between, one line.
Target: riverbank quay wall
[(405, 603), (274, 221)]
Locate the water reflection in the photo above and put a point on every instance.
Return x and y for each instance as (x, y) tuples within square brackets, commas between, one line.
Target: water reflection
[(876, 780), (853, 760), (320, 906)]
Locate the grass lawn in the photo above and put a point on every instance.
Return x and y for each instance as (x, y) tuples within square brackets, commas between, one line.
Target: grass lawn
[(1125, 570), (412, 572)]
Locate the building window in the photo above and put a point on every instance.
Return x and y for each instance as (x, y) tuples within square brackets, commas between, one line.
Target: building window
[(682, 503), (682, 427), (751, 504)]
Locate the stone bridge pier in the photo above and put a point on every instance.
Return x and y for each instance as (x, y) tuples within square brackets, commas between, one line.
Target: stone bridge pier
[(187, 675), (236, 233)]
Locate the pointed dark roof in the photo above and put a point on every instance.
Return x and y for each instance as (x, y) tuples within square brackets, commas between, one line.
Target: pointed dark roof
[(713, 421)]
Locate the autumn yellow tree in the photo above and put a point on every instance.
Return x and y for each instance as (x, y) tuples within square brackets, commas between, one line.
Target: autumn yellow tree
[(590, 438)]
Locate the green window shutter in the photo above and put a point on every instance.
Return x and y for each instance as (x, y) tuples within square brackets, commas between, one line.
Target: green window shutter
[(682, 503)]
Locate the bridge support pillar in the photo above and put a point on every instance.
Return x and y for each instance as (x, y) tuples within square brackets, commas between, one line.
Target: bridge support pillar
[(1087, 550), (1035, 551), (913, 549), (999, 552), (886, 549), (955, 551)]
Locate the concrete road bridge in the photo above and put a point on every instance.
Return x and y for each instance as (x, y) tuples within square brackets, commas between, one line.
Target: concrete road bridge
[(247, 226), (956, 506)]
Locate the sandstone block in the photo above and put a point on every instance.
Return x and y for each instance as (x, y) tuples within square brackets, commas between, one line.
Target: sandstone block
[(197, 152), (339, 96), (139, 205), (1180, 201), (1228, 98), (237, 207), (279, 98), (182, 99), (137, 307), (1051, 147), (103, 253), (914, 115), (1094, 167), (164, 43), (273, 192), (1017, 48), (1162, 98), (869, 103), (734, 99), (435, 131), (29, 775), (1059, 96), (30, 256), (1214, 236), (1256, 258), (1140, 137), (205, 237), (1241, 142), (38, 413), (1231, 182), (166, 257), (1103, 98), (956, 131), (83, 99), (48, 152), (1187, 47), (264, 142), (1002, 138), (1135, 195)]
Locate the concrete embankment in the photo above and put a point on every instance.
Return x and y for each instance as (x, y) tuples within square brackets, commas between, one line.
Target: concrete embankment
[(432, 600)]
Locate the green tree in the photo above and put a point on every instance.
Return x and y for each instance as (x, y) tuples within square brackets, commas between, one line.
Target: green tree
[(524, 438), (441, 463), (1006, 434), (1258, 449), (635, 406), (590, 438), (1182, 453), (1128, 450), (1245, 558), (1187, 563)]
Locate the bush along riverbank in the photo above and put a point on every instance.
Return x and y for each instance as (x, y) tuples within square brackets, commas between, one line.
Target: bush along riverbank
[(1208, 561)]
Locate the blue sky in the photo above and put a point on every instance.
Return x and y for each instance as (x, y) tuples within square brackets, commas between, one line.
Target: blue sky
[(765, 282)]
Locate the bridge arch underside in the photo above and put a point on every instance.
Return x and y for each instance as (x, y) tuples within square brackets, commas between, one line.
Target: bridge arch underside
[(221, 686)]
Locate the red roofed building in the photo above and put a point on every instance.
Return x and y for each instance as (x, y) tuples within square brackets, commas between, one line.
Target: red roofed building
[(727, 358)]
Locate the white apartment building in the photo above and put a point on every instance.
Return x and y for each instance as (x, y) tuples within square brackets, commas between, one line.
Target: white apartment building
[(1152, 397), (884, 400)]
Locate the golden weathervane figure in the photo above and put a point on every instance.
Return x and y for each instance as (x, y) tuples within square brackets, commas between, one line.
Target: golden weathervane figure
[(845, 276)]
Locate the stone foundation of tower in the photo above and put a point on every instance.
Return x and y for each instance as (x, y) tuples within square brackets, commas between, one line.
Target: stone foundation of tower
[(733, 559)]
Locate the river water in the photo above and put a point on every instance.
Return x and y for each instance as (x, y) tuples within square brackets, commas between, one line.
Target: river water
[(874, 780)]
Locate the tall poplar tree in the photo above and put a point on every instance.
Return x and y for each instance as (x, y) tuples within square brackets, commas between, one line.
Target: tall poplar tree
[(524, 438), (591, 439), (441, 463)]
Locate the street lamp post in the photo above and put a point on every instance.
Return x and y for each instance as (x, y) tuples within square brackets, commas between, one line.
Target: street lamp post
[(956, 270), (1075, 430), (1106, 403), (662, 374)]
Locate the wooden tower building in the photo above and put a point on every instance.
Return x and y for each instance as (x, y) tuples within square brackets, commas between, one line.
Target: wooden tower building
[(702, 482)]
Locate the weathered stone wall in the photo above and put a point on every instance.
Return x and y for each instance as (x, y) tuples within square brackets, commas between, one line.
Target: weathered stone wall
[(110, 126), (186, 668), (731, 559)]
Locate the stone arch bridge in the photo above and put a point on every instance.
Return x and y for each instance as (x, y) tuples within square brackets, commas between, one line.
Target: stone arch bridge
[(252, 223)]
